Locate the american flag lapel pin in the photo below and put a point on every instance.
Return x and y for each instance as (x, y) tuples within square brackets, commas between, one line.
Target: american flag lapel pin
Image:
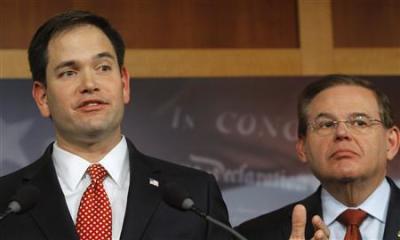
[(153, 182)]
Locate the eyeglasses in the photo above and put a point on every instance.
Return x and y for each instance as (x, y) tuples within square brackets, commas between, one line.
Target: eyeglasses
[(357, 124)]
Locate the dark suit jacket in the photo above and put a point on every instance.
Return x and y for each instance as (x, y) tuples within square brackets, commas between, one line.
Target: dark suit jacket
[(147, 217), (277, 225)]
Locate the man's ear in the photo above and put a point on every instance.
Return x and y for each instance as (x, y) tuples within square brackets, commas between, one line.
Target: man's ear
[(39, 93), (300, 149), (393, 141), (126, 88)]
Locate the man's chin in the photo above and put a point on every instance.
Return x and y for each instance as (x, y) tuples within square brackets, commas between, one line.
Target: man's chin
[(347, 174), (93, 131), (347, 179), (96, 131), (341, 179)]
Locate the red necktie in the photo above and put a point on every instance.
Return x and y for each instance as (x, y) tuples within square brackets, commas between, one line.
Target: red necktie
[(94, 214), (352, 219)]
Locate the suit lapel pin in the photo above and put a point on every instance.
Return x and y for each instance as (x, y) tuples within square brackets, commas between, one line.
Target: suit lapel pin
[(153, 182)]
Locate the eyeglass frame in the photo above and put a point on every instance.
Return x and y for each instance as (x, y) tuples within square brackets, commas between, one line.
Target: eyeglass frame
[(349, 123)]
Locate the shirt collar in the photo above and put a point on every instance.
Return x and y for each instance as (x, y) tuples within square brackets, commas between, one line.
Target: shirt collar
[(116, 162), (375, 205), (71, 168)]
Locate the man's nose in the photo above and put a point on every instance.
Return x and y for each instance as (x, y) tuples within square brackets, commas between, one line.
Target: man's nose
[(88, 82), (342, 130)]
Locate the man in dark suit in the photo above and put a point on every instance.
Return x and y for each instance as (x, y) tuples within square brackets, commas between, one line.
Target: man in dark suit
[(81, 84), (347, 135)]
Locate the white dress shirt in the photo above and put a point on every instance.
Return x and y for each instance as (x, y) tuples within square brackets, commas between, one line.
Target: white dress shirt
[(71, 173), (376, 205)]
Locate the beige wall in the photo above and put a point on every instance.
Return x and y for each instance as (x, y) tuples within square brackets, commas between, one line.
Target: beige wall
[(227, 38)]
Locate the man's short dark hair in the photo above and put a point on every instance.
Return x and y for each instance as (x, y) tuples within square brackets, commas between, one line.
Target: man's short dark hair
[(37, 53), (313, 89)]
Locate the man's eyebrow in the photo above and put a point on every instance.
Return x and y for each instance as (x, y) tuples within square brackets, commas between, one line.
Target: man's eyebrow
[(73, 63), (324, 115), (360, 114), (352, 115), (105, 55), (65, 64)]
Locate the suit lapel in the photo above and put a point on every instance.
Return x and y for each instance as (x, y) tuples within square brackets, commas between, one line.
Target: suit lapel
[(51, 212), (143, 197), (392, 226)]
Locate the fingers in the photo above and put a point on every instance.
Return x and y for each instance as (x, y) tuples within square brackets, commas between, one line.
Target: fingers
[(299, 219), (321, 230)]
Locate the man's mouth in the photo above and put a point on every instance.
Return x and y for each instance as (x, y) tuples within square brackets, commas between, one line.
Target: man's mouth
[(343, 153), (91, 105)]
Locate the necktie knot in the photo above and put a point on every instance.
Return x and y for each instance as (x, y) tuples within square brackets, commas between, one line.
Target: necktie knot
[(97, 173), (352, 217)]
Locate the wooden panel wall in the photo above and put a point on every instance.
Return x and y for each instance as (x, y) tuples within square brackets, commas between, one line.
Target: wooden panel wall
[(366, 36), (366, 23), (168, 23), (177, 38)]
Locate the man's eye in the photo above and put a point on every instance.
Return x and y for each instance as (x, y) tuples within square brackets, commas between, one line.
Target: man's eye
[(326, 124), (359, 123), (67, 74), (104, 68)]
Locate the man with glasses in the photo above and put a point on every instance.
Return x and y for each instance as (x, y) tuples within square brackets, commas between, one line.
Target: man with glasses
[(347, 135)]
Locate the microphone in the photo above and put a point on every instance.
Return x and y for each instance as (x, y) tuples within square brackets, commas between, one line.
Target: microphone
[(24, 199), (177, 197)]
